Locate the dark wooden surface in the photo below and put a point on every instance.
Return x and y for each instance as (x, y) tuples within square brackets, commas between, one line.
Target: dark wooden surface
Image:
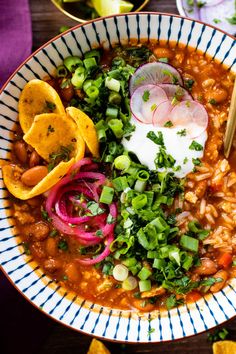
[(23, 328)]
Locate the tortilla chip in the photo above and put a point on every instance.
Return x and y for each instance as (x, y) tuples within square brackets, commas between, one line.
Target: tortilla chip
[(97, 347), (50, 132), (87, 129), (224, 347), (37, 97), (21, 191)]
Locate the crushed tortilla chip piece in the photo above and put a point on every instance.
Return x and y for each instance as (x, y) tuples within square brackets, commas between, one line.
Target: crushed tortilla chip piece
[(224, 347), (49, 132), (87, 129), (36, 98), (21, 191), (97, 347)]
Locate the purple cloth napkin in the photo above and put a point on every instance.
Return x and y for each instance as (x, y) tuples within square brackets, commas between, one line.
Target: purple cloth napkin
[(15, 35)]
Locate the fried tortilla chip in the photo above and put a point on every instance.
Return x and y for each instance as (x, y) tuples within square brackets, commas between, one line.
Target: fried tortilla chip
[(97, 347), (21, 191), (50, 133), (36, 98), (86, 128), (224, 347), (57, 139)]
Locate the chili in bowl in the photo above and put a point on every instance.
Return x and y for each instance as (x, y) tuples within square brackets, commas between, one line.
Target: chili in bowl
[(119, 188)]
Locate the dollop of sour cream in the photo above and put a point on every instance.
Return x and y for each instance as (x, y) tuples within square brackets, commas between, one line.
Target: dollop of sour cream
[(176, 144)]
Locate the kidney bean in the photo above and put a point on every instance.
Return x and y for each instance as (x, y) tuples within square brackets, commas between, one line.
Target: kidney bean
[(38, 231), (20, 151), (34, 159), (218, 286), (52, 265), (51, 246), (72, 273), (37, 250), (207, 267), (34, 175)]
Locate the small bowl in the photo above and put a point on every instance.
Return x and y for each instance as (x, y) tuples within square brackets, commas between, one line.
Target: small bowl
[(71, 9), (25, 274)]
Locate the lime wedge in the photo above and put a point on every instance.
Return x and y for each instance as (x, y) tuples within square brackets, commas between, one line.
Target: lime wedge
[(110, 7)]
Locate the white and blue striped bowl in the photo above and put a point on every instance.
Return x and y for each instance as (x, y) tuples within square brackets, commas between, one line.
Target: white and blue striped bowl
[(23, 272)]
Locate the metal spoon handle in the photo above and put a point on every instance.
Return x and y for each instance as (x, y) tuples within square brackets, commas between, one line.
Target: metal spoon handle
[(231, 123)]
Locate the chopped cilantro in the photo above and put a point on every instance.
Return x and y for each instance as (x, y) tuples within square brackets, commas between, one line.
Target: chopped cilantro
[(200, 3), (195, 146), (45, 215), (216, 20), (189, 83), (168, 124), (63, 245), (212, 101), (53, 233), (196, 162), (50, 106), (174, 101), (182, 132), (185, 160), (26, 248), (163, 159), (151, 330), (99, 233), (172, 76), (157, 139), (218, 334), (171, 302), (210, 281), (232, 20), (153, 107), (146, 96), (63, 154), (50, 130)]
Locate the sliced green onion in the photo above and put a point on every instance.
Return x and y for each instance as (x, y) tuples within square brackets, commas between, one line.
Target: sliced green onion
[(129, 262), (143, 175), (72, 62), (160, 224), (94, 53), (120, 272), (152, 254), (112, 84), (144, 285), (174, 255), (107, 194), (61, 71), (130, 283), (140, 186), (144, 273), (78, 77), (114, 98), (92, 92), (108, 158), (89, 63), (117, 127), (122, 162), (150, 197), (135, 269), (159, 263), (120, 183), (87, 84), (112, 112), (189, 243), (118, 62), (139, 202)]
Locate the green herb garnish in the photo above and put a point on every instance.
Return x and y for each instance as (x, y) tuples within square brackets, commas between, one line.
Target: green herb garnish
[(195, 146)]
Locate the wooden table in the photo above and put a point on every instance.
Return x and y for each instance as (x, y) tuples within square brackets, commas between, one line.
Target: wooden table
[(23, 328)]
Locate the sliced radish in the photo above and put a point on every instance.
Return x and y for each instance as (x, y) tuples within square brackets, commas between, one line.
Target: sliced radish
[(191, 115), (154, 73), (162, 113), (176, 91), (145, 100), (219, 12)]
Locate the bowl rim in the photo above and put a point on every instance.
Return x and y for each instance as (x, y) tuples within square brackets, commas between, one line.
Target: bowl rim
[(2, 90), (81, 20)]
